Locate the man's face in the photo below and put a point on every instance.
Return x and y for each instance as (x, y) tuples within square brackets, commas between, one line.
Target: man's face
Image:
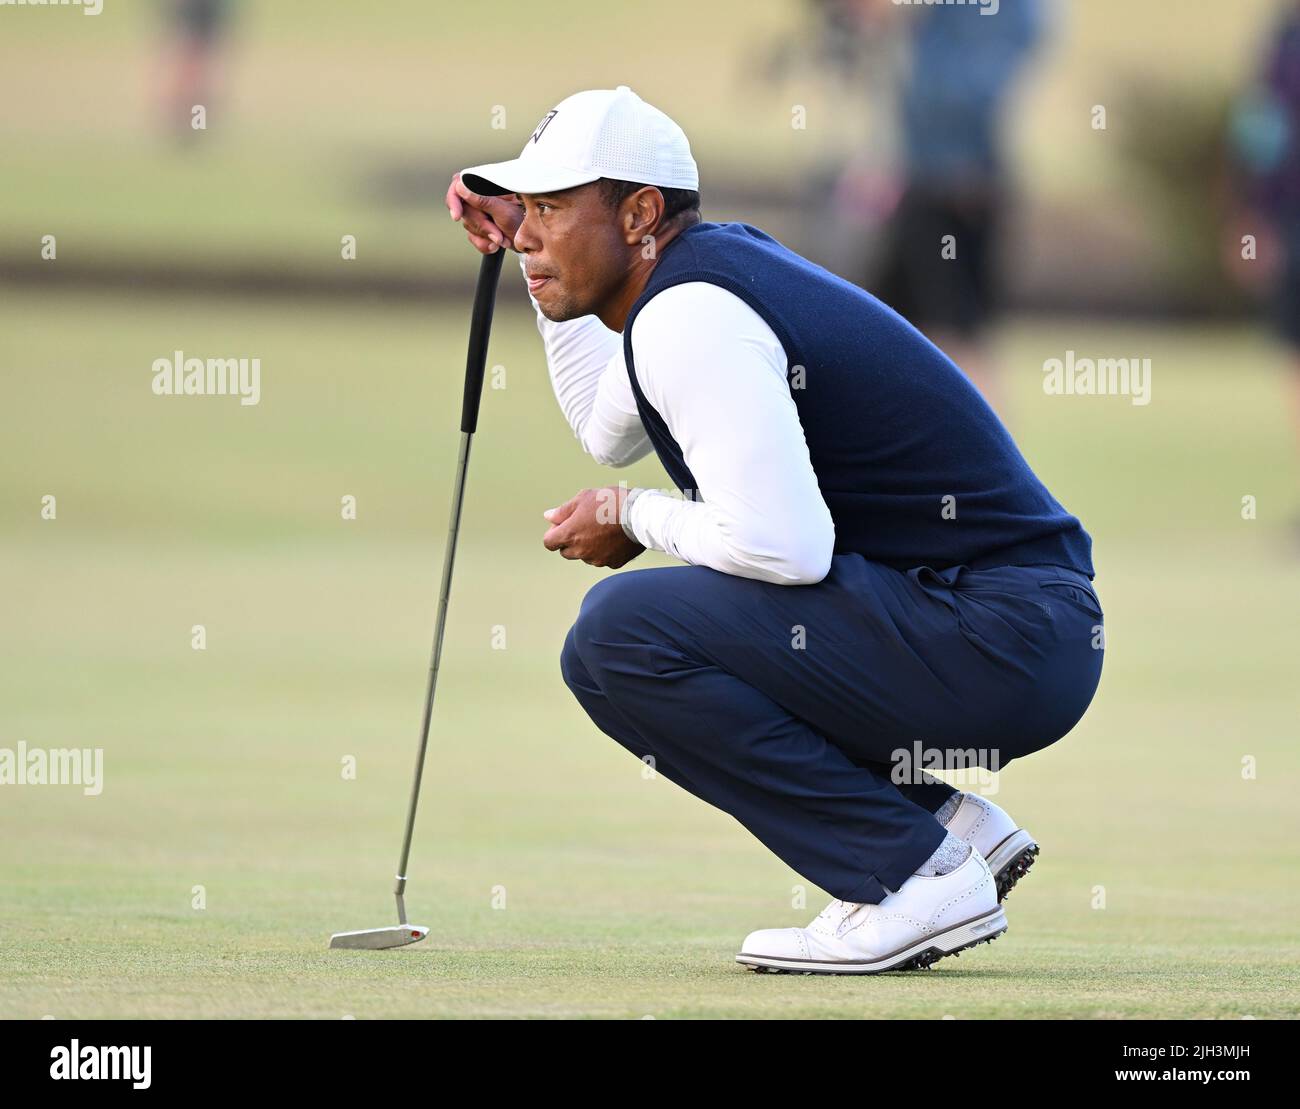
[(575, 253)]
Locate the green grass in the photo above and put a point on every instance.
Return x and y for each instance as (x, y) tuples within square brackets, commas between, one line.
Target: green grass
[(622, 897)]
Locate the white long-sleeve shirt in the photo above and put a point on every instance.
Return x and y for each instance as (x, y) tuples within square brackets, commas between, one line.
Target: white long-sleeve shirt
[(716, 372)]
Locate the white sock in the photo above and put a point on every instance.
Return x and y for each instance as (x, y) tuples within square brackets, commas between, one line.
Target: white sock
[(949, 855)]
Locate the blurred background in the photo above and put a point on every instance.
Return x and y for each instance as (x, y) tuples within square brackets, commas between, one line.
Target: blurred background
[(247, 179)]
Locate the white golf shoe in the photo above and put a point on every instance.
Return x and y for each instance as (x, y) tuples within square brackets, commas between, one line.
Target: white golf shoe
[(918, 923), (1008, 848)]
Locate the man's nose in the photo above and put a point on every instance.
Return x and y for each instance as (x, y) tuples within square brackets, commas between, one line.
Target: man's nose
[(525, 240)]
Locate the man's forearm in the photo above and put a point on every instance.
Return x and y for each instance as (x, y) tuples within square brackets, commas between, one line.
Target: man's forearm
[(699, 534)]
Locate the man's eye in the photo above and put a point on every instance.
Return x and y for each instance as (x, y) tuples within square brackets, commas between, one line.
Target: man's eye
[(541, 205)]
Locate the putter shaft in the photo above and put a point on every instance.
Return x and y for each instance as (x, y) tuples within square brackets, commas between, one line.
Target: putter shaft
[(444, 593)]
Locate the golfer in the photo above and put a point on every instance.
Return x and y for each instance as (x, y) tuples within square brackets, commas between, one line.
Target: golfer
[(874, 571)]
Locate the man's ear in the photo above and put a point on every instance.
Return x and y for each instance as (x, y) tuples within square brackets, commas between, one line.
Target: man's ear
[(644, 215)]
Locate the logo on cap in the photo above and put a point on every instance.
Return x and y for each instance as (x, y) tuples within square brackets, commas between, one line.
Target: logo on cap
[(542, 126)]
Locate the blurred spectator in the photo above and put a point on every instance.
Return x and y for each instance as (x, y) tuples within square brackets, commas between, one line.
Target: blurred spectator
[(964, 58), (829, 40), (191, 68), (1266, 134)]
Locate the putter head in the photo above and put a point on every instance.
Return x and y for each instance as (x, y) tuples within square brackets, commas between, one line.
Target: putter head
[(380, 939)]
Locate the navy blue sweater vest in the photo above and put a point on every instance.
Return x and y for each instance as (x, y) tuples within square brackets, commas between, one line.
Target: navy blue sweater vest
[(913, 464)]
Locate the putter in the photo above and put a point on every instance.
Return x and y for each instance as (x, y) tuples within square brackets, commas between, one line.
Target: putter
[(403, 933)]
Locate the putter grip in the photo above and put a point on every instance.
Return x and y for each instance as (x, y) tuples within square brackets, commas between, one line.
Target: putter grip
[(480, 328)]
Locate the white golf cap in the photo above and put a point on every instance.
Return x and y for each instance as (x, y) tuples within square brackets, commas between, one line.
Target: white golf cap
[(594, 134)]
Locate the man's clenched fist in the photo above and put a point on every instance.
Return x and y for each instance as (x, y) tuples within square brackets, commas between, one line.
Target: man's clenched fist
[(587, 527)]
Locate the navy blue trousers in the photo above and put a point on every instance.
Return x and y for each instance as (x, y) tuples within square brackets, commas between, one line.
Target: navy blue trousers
[(800, 710)]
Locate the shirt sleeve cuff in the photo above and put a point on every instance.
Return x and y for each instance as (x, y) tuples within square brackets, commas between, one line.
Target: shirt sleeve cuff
[(625, 517)]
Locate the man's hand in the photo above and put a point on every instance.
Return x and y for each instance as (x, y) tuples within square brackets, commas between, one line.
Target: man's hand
[(587, 527), (489, 221)]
